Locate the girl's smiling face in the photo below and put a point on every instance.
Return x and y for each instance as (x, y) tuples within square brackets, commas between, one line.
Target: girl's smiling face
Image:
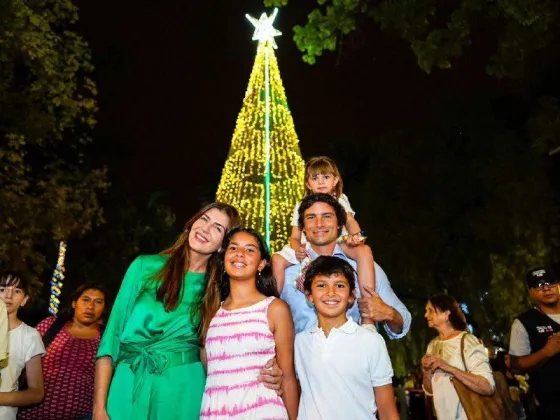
[(322, 183), (243, 259)]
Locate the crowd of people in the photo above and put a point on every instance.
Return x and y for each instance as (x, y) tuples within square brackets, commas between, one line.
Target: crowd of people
[(216, 328)]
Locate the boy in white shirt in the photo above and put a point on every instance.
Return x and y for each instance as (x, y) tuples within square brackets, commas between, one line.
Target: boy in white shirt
[(344, 369), (25, 351)]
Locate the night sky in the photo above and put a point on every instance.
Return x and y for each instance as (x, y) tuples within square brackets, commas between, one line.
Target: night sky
[(172, 75)]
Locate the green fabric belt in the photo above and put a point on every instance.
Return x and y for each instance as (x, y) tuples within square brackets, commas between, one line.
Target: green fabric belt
[(147, 361)]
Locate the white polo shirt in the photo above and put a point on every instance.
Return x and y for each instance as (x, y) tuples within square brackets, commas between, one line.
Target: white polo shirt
[(337, 373)]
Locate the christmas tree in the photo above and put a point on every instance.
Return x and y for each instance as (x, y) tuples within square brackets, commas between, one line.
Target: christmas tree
[(263, 173)]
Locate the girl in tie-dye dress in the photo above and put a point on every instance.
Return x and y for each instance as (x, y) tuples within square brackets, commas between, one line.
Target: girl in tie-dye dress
[(249, 327)]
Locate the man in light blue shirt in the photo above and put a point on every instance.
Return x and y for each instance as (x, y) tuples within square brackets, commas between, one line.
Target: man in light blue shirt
[(321, 218)]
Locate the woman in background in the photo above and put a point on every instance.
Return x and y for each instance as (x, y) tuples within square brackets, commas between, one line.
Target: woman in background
[(71, 341)]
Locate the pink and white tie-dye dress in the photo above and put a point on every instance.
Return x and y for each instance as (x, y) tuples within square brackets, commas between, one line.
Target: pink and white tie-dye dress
[(238, 345)]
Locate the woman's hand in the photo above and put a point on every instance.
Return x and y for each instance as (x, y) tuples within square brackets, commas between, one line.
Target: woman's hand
[(431, 363), (426, 362)]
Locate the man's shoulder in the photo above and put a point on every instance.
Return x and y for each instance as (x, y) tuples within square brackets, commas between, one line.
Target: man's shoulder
[(528, 315)]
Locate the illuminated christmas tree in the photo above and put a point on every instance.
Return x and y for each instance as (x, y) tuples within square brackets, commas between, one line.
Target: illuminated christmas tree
[(263, 173)]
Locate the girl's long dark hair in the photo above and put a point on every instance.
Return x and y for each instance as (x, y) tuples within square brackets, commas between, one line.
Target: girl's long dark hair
[(173, 272), (266, 284)]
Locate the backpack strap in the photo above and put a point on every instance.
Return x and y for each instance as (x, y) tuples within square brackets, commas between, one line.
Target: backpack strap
[(53, 330)]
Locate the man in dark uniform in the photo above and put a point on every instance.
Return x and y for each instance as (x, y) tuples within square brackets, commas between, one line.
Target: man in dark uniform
[(535, 342)]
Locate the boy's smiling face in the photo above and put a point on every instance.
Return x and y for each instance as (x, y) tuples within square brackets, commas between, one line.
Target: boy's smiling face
[(331, 295)]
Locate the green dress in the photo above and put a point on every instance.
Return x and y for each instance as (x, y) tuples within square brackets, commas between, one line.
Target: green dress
[(158, 374)]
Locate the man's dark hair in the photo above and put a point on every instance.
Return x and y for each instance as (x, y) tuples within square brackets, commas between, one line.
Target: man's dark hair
[(311, 199), (328, 266)]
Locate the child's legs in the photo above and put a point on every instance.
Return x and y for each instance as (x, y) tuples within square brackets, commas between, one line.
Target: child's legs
[(363, 256), (279, 266)]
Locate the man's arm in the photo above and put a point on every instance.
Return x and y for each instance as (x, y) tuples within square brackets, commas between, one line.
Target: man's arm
[(392, 311), (521, 358)]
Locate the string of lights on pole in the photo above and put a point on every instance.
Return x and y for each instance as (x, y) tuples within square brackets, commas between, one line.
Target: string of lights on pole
[(57, 279)]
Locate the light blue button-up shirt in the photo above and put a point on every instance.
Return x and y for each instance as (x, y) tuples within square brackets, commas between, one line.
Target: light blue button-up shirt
[(304, 313)]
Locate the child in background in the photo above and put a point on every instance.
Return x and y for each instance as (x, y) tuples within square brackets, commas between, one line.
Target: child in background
[(248, 328), (343, 368), (322, 176), (26, 350)]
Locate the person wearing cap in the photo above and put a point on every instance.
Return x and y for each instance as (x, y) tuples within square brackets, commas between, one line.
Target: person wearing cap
[(535, 341)]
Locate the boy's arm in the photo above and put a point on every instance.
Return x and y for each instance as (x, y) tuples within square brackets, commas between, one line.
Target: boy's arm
[(381, 374), (385, 401), (34, 393)]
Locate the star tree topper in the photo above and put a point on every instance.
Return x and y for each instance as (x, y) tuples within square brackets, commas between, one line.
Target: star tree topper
[(264, 31)]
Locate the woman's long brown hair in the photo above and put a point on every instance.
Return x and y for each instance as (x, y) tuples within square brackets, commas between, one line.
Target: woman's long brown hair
[(173, 272)]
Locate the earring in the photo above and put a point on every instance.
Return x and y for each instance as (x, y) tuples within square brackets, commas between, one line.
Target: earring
[(259, 273)]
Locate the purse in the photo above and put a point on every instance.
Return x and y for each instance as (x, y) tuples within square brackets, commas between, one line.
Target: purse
[(479, 407)]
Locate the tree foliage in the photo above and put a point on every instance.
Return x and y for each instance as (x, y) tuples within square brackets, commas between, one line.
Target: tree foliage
[(47, 106), (544, 127), (438, 32), (132, 227)]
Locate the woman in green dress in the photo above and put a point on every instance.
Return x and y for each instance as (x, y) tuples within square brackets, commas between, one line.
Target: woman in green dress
[(148, 363)]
